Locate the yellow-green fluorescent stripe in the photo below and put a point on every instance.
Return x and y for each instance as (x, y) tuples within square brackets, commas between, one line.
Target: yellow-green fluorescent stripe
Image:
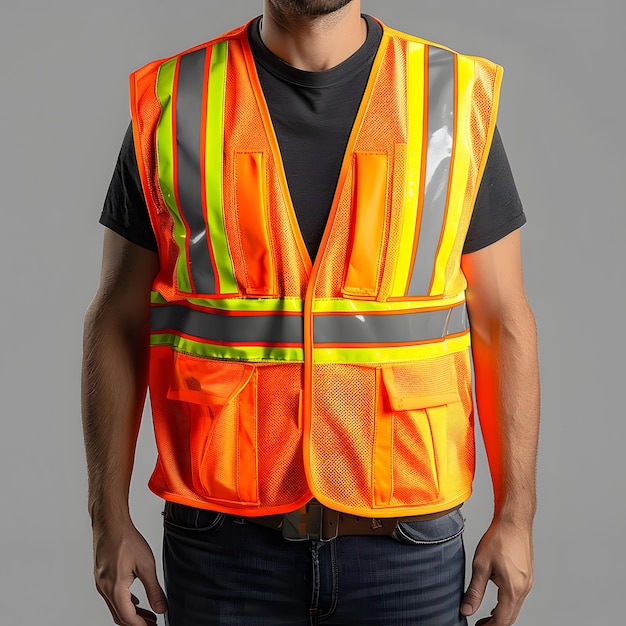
[(369, 306), (231, 353), (460, 170), (165, 164), (213, 168), (415, 122), (391, 354)]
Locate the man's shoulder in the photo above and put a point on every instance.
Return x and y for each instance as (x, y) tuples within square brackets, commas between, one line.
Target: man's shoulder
[(415, 39), (235, 33)]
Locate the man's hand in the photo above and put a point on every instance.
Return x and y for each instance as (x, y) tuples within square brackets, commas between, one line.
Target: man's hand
[(120, 556), (505, 556)]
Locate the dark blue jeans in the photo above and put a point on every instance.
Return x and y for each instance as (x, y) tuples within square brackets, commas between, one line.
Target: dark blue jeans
[(220, 569)]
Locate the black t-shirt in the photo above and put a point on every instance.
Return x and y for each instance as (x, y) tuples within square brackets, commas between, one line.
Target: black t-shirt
[(313, 114)]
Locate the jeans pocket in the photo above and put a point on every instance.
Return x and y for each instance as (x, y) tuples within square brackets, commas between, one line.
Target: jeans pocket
[(182, 517), (430, 531)]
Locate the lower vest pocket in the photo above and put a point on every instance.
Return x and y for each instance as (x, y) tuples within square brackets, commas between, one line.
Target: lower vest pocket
[(413, 438), (220, 398)]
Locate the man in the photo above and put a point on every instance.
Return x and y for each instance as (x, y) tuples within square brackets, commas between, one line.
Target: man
[(289, 231)]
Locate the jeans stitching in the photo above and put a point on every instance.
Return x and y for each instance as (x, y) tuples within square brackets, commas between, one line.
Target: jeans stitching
[(334, 598), (315, 583)]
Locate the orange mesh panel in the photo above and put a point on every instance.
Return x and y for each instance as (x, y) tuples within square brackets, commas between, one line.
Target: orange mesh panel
[(204, 446), (380, 131), (244, 131), (280, 439), (480, 117)]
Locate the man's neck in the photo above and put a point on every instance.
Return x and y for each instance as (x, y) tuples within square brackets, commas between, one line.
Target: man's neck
[(314, 43)]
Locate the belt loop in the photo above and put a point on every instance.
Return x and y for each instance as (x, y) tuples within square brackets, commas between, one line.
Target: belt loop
[(315, 520)]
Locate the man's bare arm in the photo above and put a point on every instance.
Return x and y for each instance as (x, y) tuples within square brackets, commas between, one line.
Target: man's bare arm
[(115, 354), (504, 348)]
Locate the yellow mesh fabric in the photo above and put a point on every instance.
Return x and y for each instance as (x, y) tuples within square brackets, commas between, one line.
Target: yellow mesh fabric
[(344, 443), (480, 116), (244, 130)]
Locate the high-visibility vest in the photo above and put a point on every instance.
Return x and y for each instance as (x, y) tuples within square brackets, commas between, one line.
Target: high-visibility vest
[(274, 379)]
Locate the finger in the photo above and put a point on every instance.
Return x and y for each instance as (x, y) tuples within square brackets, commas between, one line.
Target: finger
[(509, 606), (148, 616), (125, 609), (476, 591), (154, 592), (114, 615)]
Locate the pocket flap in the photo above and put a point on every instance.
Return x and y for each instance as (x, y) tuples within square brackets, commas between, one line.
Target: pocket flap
[(403, 401), (202, 381)]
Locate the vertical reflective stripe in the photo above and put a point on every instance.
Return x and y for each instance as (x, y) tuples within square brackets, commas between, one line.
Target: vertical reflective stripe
[(213, 165), (188, 167), (460, 169), (166, 166), (252, 214), (438, 157), (416, 54), (369, 223)]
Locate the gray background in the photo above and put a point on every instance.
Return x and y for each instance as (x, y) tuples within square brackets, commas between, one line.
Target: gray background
[(64, 111)]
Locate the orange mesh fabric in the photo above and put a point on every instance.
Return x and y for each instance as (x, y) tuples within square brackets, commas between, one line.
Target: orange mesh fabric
[(233, 441), (245, 131), (382, 128), (145, 112), (205, 447)]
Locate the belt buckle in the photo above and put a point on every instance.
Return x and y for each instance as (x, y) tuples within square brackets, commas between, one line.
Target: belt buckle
[(304, 524)]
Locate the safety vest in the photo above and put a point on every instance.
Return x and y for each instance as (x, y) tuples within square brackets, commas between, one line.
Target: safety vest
[(274, 379)]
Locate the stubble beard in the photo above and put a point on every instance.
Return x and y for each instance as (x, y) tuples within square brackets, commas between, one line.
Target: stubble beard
[(309, 8)]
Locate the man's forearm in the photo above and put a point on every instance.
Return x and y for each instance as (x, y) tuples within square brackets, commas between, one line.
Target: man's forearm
[(113, 392), (507, 392)]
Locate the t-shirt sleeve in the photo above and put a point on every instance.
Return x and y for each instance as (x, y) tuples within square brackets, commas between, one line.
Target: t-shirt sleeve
[(498, 210), (125, 210)]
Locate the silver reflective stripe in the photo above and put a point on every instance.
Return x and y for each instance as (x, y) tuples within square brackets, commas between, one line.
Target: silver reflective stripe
[(390, 329), (188, 133), (218, 327), (440, 135)]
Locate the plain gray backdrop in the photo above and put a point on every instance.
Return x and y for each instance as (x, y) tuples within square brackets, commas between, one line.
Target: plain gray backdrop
[(64, 111)]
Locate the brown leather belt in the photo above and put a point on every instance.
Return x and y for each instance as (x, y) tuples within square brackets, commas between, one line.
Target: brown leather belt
[(316, 522)]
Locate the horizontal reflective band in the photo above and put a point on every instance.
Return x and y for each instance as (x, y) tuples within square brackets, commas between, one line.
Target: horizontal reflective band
[(228, 328), (399, 328), (228, 352)]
